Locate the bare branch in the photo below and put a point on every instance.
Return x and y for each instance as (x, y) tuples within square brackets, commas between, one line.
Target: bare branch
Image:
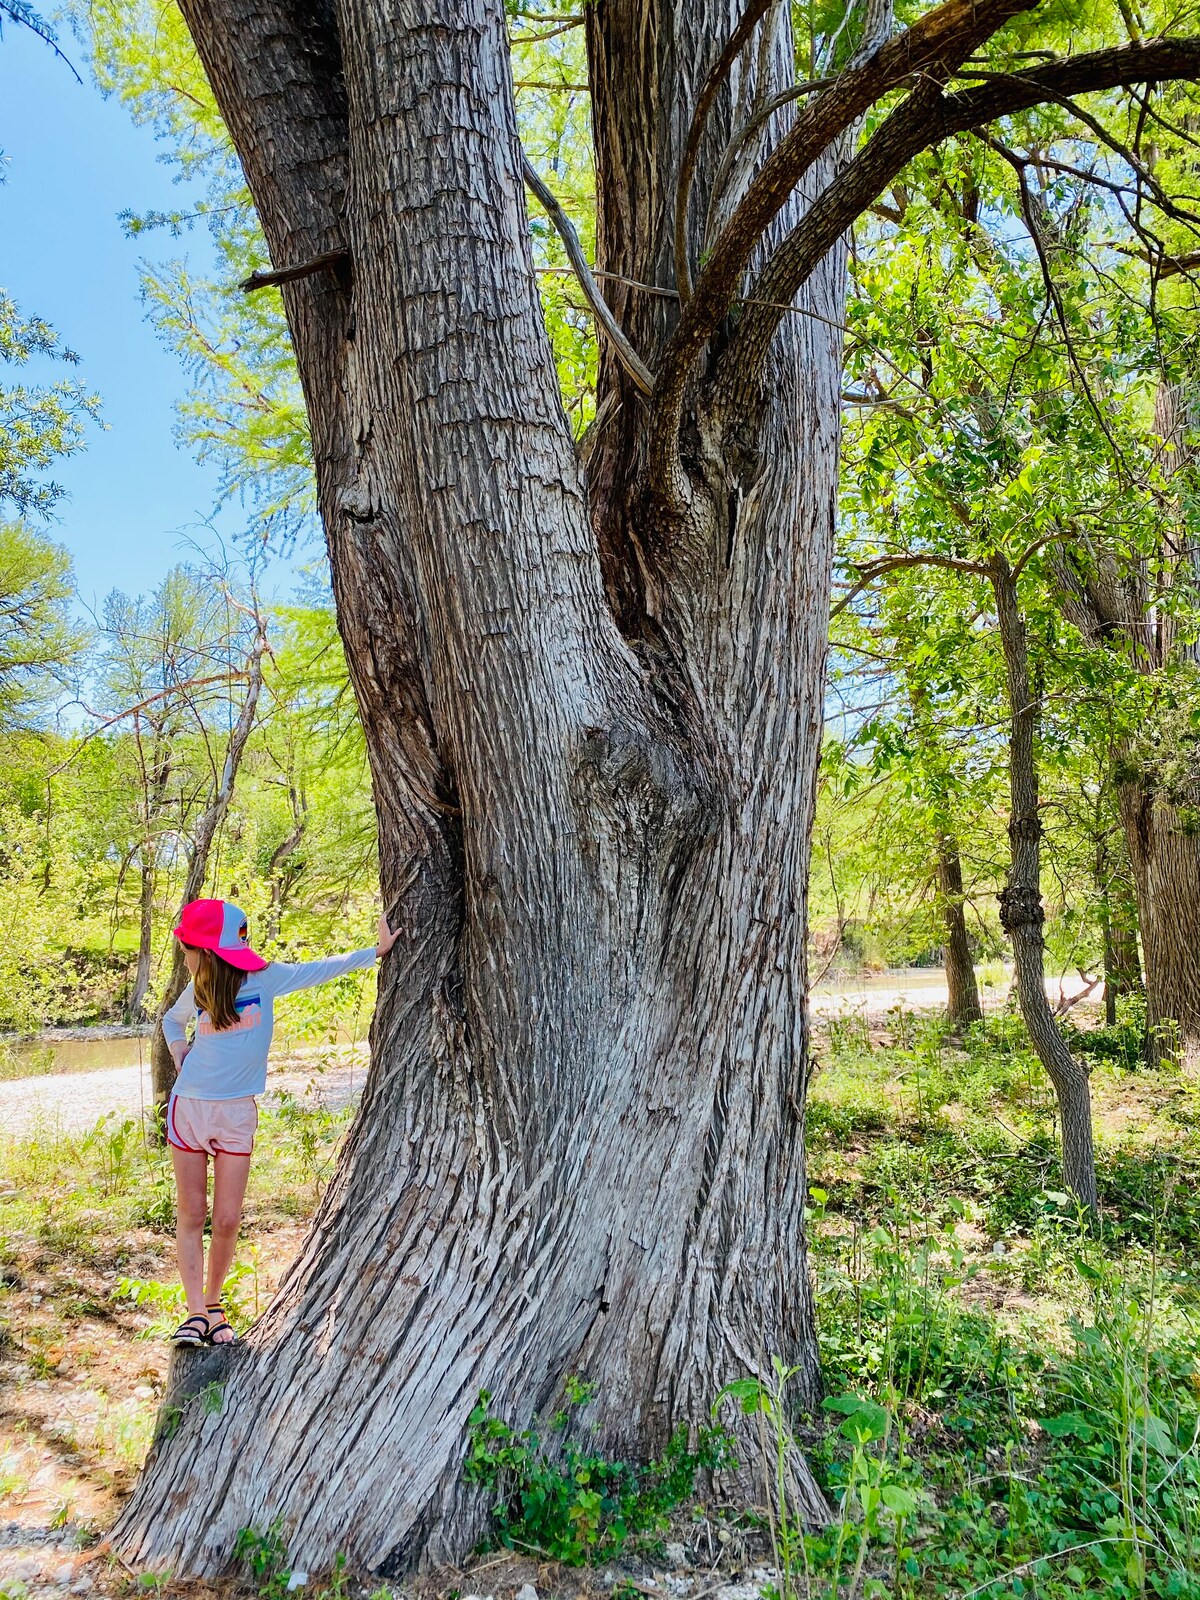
[(626, 354), (743, 137), (871, 570), (925, 117), (931, 50), (331, 260), (716, 76), (1171, 266)]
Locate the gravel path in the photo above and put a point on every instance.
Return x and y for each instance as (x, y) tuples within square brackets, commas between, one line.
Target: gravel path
[(72, 1102)]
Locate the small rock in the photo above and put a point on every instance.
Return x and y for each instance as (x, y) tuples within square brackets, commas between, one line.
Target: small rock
[(24, 1569), (676, 1555), (144, 1392), (82, 1585), (64, 1574), (677, 1586), (527, 1592), (297, 1580)]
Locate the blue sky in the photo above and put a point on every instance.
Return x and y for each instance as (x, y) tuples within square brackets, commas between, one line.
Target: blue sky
[(73, 162)]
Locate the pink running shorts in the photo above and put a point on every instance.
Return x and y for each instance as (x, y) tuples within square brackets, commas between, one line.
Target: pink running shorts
[(216, 1127)]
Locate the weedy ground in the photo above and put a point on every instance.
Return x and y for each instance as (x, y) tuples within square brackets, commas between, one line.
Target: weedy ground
[(1013, 1394)]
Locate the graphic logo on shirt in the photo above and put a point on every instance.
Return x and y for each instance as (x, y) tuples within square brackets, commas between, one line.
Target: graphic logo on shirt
[(249, 1010)]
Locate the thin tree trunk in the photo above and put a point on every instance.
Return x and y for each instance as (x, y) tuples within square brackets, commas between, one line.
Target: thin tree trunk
[(580, 1146), (963, 1005), (282, 872), (1021, 912), (141, 981), (1118, 931), (162, 1063)]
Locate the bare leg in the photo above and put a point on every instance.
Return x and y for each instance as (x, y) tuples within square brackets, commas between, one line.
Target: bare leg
[(191, 1189), (229, 1189)]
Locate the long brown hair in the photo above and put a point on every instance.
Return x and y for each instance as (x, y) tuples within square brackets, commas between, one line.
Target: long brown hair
[(216, 986)]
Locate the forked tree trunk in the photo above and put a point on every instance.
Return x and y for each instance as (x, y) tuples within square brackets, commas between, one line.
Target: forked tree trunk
[(963, 1005), (1021, 912), (593, 753)]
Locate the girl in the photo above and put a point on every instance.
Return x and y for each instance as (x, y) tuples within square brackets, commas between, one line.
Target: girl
[(212, 1110)]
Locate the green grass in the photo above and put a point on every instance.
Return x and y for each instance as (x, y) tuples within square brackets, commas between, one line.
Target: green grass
[(1040, 1378), (1013, 1396)]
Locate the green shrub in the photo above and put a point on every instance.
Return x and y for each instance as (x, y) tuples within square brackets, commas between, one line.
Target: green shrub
[(573, 1506)]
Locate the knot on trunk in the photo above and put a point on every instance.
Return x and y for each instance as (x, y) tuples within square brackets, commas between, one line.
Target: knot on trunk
[(1027, 825), (643, 785), (1020, 908)]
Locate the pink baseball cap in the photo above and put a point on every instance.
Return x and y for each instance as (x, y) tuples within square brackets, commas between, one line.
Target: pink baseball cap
[(219, 926)]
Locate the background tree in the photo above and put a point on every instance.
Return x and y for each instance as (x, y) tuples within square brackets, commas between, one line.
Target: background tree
[(39, 641), (173, 674), (38, 423)]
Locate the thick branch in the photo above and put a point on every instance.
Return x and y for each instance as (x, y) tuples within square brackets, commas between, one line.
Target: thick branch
[(741, 139), (927, 116), (626, 354), (933, 47)]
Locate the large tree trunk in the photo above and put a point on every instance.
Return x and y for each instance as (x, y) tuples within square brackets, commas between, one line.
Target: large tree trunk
[(963, 1005), (1118, 604), (1021, 912), (1164, 852), (593, 750)]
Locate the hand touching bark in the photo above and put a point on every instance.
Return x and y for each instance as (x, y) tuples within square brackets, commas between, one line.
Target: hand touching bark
[(385, 938)]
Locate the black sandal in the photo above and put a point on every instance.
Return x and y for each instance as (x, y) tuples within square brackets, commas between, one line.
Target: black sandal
[(189, 1333), (219, 1326)]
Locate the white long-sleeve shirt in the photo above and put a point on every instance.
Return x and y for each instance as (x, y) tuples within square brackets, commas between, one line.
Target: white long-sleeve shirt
[(232, 1063)]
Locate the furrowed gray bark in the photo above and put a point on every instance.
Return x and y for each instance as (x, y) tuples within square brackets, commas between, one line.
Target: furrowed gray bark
[(1118, 927), (1118, 605), (593, 720), (1021, 911)]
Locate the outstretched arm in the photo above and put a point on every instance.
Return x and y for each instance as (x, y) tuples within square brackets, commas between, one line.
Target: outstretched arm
[(285, 977)]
